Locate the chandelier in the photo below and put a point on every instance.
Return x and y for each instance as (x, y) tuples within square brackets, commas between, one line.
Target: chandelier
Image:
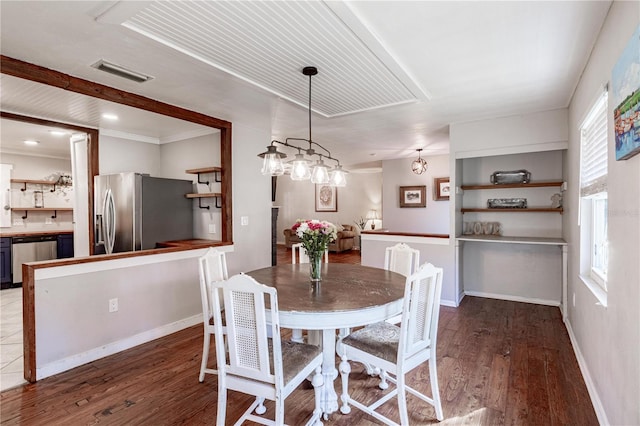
[(300, 167), (419, 166)]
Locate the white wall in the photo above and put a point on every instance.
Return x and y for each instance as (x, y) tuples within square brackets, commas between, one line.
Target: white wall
[(296, 200), (607, 339), (39, 168), (251, 198), (542, 131), (157, 295), (434, 219), (118, 155)]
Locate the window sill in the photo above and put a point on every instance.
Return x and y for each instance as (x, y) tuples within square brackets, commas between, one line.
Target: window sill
[(595, 288)]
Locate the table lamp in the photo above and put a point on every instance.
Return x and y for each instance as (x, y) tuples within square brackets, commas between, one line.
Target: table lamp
[(372, 216)]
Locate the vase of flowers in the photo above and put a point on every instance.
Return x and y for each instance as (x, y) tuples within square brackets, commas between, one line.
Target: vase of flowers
[(316, 236)]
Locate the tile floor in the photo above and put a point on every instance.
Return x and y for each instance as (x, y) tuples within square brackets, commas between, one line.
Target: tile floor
[(11, 360)]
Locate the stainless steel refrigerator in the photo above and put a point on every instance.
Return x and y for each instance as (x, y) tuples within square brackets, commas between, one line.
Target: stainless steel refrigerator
[(133, 211)]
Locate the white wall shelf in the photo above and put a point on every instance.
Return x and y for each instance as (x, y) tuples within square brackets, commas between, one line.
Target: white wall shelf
[(513, 240)]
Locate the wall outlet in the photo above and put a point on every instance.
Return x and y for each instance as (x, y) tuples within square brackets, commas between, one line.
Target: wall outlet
[(18, 222), (48, 221), (244, 220), (212, 228), (113, 305)]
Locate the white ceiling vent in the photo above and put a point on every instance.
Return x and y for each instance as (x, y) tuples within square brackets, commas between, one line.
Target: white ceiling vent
[(114, 69)]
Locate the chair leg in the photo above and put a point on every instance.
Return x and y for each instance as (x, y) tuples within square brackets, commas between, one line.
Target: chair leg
[(260, 409), (345, 369), (435, 390), (402, 400), (222, 405), (205, 355), (279, 402), (383, 380)]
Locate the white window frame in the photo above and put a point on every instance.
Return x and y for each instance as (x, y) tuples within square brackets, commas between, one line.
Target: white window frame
[(593, 199)]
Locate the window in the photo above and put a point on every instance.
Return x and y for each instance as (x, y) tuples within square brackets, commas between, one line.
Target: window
[(594, 250)]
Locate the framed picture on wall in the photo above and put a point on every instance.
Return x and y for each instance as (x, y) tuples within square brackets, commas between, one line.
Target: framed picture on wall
[(441, 188), (326, 198), (413, 196)]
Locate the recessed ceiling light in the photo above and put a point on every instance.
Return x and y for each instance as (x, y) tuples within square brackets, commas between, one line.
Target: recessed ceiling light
[(31, 142), (110, 116), (57, 132)]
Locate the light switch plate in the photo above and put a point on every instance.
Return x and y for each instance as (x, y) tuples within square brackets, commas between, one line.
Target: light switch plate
[(212, 228), (244, 220)]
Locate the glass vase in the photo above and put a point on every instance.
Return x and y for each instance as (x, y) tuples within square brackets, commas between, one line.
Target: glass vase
[(315, 266)]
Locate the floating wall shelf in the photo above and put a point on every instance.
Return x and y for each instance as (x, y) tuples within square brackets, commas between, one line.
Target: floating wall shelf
[(514, 185), (215, 195), (526, 210), (26, 182), (55, 211), (203, 170)]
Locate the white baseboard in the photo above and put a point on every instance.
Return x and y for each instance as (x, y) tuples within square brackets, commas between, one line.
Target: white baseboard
[(76, 360), (513, 298), (450, 303), (595, 399)]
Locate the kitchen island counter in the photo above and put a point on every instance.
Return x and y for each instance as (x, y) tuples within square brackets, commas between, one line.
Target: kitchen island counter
[(24, 233)]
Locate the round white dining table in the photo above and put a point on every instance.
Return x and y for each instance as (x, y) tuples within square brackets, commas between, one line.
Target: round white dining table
[(348, 296)]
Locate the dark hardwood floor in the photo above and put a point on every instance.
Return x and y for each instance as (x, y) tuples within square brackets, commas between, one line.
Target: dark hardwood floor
[(499, 362)]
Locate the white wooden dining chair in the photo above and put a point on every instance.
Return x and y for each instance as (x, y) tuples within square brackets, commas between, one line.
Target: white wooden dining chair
[(301, 257), (212, 267), (255, 364), (404, 260), (398, 350)]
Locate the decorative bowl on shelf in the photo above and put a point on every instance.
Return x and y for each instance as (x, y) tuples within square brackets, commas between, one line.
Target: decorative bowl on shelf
[(507, 203), (515, 176)]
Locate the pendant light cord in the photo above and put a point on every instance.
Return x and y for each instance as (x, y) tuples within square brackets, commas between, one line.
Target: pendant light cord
[(310, 110)]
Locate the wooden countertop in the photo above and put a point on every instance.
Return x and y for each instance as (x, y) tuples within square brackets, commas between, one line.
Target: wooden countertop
[(33, 233), (193, 243), (404, 234)]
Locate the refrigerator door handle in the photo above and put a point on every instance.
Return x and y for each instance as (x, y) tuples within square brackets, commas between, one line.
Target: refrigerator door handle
[(109, 222), (99, 228)]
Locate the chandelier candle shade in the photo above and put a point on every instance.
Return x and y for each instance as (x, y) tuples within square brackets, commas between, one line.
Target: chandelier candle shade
[(300, 166), (316, 236), (419, 166)]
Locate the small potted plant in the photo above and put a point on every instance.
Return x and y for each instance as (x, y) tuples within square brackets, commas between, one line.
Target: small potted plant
[(362, 222)]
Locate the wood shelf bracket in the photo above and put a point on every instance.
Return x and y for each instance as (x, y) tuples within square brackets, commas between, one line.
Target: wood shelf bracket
[(217, 178)]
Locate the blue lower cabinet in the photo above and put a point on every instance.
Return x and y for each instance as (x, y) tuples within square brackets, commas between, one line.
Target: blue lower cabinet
[(5, 261), (65, 246)]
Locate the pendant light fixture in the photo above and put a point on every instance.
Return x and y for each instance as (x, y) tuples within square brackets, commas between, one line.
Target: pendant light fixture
[(419, 166), (300, 166)]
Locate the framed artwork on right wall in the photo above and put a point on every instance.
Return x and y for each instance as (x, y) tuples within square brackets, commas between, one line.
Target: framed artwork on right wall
[(441, 189)]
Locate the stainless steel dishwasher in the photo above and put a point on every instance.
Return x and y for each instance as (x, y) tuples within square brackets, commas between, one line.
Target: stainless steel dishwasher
[(31, 249)]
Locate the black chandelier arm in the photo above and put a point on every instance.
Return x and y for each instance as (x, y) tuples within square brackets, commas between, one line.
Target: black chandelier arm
[(286, 143)]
